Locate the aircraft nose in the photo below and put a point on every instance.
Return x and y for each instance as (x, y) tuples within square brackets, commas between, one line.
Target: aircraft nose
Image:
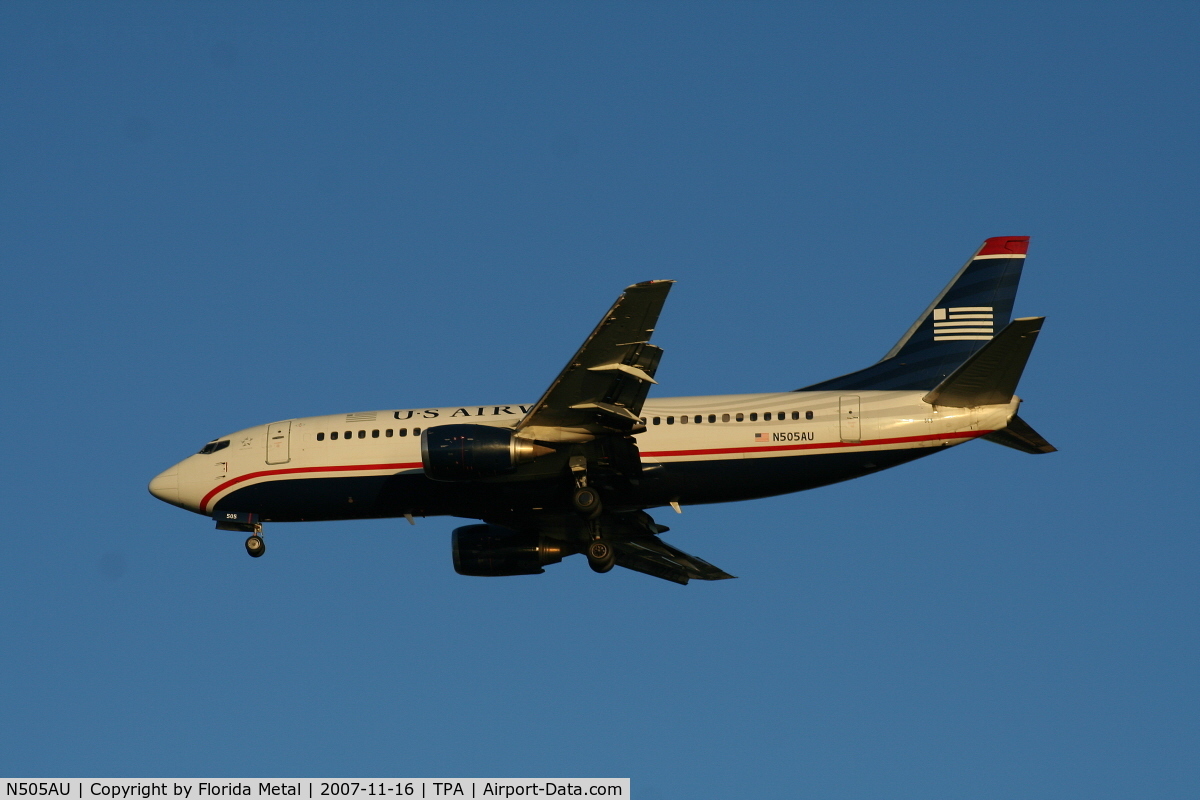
[(165, 486)]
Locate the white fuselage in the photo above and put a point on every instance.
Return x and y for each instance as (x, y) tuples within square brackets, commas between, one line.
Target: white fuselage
[(706, 449)]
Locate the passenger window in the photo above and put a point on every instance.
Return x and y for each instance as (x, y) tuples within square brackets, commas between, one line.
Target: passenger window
[(795, 415), (403, 432), (416, 431), (724, 418), (683, 420), (333, 436), (754, 416), (658, 420), (374, 434), (712, 417), (362, 434), (740, 417), (388, 433), (767, 417), (349, 435), (642, 420), (808, 415), (698, 419), (670, 420), (320, 437)]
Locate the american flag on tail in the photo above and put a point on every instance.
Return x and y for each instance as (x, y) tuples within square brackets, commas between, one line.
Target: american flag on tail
[(964, 322)]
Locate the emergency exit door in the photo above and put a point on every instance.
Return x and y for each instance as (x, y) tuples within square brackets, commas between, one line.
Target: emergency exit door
[(848, 415), (279, 436)]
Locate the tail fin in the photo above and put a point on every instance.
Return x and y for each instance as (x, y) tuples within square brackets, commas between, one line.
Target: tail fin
[(960, 320)]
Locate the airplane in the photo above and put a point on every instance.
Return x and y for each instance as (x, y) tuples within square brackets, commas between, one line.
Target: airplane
[(576, 471)]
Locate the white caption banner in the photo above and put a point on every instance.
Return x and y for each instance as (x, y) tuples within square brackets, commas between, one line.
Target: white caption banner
[(311, 788)]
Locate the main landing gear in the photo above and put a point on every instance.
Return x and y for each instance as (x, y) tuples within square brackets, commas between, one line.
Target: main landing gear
[(601, 556), (586, 501)]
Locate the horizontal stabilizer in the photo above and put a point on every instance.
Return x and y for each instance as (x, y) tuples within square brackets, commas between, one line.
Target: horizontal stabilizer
[(1019, 436), (990, 375)]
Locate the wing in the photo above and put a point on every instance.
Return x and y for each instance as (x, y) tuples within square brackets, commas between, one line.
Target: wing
[(596, 402), (602, 388), (652, 556), (634, 536)]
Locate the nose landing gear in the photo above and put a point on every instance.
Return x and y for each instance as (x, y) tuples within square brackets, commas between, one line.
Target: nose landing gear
[(246, 523)]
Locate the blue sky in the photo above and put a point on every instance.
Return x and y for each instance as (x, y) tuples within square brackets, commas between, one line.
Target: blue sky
[(223, 214)]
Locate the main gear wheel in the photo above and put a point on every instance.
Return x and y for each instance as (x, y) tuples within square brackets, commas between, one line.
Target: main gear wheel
[(601, 556)]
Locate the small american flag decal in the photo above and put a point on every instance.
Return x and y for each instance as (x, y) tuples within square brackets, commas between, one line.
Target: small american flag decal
[(762, 437)]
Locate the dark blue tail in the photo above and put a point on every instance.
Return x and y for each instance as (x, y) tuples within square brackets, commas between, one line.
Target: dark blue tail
[(975, 306)]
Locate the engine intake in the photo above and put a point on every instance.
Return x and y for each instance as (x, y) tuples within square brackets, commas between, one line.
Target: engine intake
[(470, 452), (492, 551)]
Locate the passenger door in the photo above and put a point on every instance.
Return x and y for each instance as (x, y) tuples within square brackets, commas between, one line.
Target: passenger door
[(279, 436), (848, 417)]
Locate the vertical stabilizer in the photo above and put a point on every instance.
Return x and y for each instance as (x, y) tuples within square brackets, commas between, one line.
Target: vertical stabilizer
[(966, 315)]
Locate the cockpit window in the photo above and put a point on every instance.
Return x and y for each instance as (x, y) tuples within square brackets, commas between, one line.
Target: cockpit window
[(213, 447)]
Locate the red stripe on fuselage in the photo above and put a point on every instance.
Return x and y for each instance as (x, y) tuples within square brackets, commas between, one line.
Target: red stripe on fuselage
[(652, 454), (295, 470), (929, 437)]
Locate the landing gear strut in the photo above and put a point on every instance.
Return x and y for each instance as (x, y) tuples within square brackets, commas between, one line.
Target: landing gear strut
[(586, 501), (584, 498)]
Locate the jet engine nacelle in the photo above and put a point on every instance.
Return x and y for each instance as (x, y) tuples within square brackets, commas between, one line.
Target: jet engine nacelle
[(469, 452), (493, 550)]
